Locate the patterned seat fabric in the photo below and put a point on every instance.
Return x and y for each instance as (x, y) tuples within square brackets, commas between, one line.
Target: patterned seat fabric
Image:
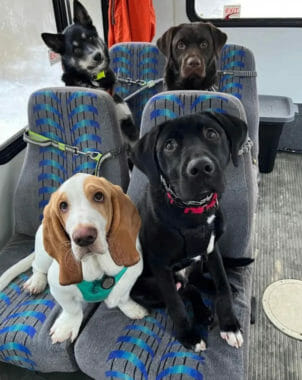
[(241, 59), (137, 61), (78, 117), (146, 349)]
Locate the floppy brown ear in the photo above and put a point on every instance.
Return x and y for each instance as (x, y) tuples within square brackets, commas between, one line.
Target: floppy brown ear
[(219, 38), (124, 229), (164, 42), (57, 245)]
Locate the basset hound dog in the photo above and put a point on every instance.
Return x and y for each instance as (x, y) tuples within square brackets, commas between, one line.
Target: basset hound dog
[(87, 249)]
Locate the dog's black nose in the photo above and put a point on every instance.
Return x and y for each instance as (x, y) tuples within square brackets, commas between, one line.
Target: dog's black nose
[(97, 57), (193, 62), (200, 166), (84, 235)]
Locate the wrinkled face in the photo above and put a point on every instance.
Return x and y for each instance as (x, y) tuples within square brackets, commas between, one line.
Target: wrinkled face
[(193, 50), (84, 207), (192, 156), (84, 50)]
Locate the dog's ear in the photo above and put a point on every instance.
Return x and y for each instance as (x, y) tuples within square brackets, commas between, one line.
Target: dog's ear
[(164, 42), (80, 14), (125, 225), (57, 244), (235, 129), (54, 41), (143, 154), (219, 38)]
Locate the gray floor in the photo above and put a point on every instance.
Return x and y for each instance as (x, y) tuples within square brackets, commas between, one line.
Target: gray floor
[(278, 247)]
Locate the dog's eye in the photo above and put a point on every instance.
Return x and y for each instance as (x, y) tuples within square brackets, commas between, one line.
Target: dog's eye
[(181, 45), (63, 206), (211, 134), (170, 145), (204, 44), (91, 38), (99, 197)]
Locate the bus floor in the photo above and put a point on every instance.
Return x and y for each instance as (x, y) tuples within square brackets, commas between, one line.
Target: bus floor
[(278, 248)]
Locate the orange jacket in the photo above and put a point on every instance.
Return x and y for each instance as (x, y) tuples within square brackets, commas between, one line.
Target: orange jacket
[(130, 20)]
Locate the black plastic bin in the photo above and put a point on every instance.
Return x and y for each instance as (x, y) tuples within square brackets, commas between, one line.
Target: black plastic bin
[(275, 112)]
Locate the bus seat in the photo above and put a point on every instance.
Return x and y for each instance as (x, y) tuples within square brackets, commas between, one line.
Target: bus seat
[(137, 61), (237, 76), (111, 345), (79, 117)]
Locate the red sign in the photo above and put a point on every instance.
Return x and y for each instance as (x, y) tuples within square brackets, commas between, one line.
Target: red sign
[(231, 11)]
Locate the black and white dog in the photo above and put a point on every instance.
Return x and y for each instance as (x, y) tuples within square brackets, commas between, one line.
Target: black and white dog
[(184, 160), (85, 62)]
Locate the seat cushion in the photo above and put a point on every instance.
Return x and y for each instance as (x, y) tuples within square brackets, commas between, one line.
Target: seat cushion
[(112, 346), (80, 117), (25, 320), (242, 86), (137, 61)]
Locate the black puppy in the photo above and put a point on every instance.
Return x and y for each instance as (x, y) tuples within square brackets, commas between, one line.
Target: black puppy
[(85, 62), (184, 160), (192, 51)]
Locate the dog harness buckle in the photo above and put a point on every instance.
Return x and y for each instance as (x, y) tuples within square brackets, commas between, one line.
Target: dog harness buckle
[(99, 290)]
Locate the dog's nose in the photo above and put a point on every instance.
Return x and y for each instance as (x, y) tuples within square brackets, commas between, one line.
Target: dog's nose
[(200, 166), (193, 62), (97, 57), (84, 235)]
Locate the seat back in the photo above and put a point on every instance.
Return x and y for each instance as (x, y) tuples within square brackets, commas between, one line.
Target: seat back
[(239, 199), (84, 118), (238, 77), (137, 61)]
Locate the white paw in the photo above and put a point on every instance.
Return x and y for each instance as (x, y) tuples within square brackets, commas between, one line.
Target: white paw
[(133, 310), (36, 283), (234, 339), (66, 327), (201, 346)]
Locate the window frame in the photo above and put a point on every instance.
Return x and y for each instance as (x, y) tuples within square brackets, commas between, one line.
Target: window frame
[(244, 22)]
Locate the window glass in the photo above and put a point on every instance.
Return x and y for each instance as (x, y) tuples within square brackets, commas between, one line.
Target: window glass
[(24, 64), (250, 8)]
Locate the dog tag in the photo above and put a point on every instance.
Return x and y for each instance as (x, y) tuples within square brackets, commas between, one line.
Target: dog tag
[(107, 282)]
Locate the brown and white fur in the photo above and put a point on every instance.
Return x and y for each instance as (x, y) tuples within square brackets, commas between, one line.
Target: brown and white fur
[(90, 228)]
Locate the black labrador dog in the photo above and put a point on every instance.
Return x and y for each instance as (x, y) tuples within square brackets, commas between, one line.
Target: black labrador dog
[(192, 51), (184, 160)]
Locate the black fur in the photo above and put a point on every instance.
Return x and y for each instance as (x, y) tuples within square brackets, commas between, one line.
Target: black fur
[(180, 150), (84, 55), (192, 51)]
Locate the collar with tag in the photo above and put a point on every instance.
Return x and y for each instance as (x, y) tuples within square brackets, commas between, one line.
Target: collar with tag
[(99, 290)]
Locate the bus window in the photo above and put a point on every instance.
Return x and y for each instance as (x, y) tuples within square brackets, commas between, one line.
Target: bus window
[(248, 9), (24, 63)]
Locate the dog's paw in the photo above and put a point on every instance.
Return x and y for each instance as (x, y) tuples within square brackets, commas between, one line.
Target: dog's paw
[(192, 339), (36, 283), (133, 310), (234, 339), (65, 327), (201, 346)]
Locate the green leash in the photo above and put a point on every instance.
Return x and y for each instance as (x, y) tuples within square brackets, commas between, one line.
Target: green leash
[(35, 138)]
